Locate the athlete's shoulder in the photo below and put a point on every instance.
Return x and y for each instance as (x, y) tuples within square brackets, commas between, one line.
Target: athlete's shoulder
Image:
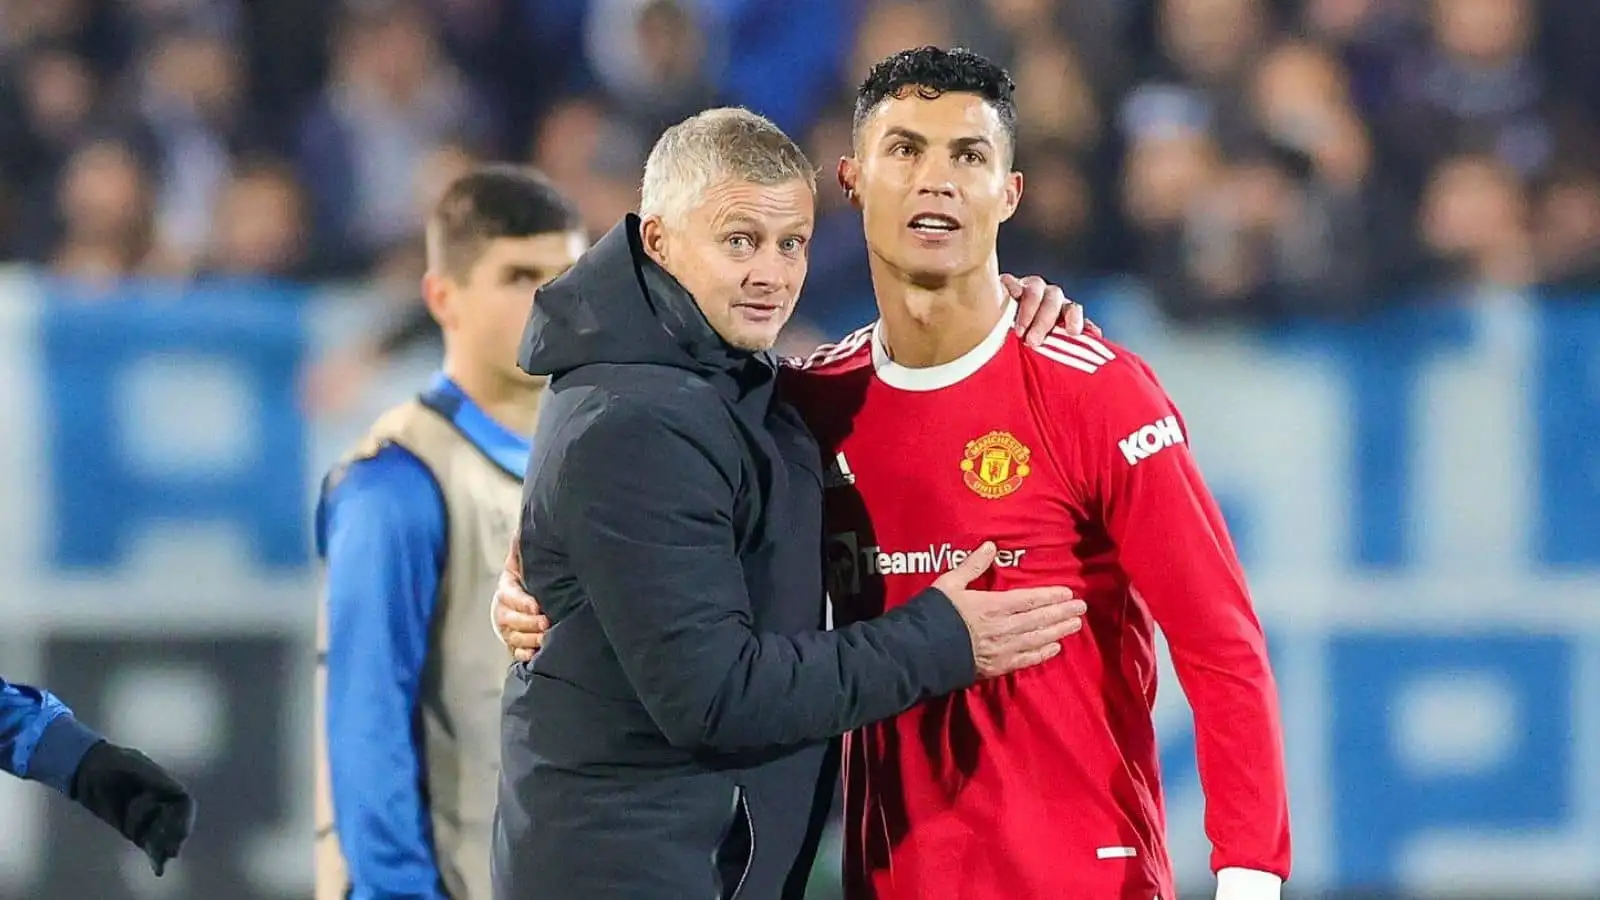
[(1082, 361), (391, 491), (852, 353)]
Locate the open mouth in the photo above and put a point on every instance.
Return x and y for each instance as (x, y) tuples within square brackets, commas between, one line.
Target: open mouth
[(934, 224)]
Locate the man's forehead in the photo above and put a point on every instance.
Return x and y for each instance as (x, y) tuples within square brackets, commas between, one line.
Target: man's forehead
[(549, 248), (945, 117), (732, 200)]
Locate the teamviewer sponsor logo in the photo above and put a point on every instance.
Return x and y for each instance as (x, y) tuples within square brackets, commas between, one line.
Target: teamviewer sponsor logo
[(936, 558), (1150, 440)]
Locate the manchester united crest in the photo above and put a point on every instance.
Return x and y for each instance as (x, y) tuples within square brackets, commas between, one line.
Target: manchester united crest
[(995, 464)]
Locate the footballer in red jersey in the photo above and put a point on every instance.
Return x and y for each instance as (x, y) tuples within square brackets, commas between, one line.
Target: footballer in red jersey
[(943, 430)]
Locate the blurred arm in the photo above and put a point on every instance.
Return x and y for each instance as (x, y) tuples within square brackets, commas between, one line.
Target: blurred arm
[(382, 531), (40, 740)]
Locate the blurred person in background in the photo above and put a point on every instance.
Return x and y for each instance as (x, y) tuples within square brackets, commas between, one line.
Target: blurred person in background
[(595, 154), (893, 25), (1567, 229), (187, 100), (412, 525), (337, 380), (105, 206), (1054, 232), (1476, 224), (1477, 87), (260, 226), (390, 101), (652, 58), (1205, 50), (1281, 225), (48, 98), (40, 740)]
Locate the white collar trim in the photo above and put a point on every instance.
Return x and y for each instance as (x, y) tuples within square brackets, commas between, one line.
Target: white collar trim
[(933, 378)]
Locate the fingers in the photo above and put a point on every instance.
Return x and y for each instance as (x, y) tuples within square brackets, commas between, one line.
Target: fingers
[(1021, 599), (514, 557), (1028, 293), (510, 597), (165, 838), (1052, 305), (976, 563), (1072, 318), (1019, 651), (1041, 618), (1089, 327), (1033, 657), (523, 655), (524, 632)]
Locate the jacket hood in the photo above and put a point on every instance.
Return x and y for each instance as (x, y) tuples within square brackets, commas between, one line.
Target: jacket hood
[(617, 306)]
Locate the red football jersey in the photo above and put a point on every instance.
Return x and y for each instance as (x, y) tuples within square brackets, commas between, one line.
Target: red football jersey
[(1044, 783)]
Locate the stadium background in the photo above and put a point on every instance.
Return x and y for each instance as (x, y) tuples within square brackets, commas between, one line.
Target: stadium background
[(1360, 240)]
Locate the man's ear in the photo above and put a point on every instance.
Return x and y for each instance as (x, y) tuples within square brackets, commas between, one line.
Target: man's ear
[(437, 295), (849, 176), (1013, 195), (653, 236)]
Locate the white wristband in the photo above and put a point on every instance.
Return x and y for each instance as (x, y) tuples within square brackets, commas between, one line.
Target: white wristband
[(1248, 884)]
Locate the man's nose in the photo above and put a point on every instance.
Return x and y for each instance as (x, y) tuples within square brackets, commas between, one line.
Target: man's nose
[(936, 176), (769, 271)]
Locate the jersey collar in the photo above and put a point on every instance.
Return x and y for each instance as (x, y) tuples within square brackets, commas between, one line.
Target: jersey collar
[(933, 378), (504, 447)]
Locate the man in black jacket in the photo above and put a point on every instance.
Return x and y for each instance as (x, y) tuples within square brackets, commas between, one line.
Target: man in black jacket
[(670, 739)]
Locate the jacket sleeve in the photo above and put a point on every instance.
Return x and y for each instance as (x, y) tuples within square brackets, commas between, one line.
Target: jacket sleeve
[(381, 528), (647, 524), (1175, 550), (40, 739)]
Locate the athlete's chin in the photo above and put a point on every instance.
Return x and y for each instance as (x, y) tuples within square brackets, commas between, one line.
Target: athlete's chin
[(529, 381), (933, 268)]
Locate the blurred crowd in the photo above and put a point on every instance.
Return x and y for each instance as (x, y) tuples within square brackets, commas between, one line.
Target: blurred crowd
[(1248, 159)]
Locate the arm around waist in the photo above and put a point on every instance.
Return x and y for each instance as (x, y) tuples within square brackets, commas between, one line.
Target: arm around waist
[(646, 513)]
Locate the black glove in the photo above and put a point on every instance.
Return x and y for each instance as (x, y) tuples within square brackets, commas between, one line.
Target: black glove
[(138, 798)]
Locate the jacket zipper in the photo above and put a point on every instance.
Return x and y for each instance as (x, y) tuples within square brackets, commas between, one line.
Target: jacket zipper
[(740, 806)]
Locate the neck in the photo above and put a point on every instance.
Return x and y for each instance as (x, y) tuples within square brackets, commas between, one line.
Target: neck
[(930, 326), (513, 404)]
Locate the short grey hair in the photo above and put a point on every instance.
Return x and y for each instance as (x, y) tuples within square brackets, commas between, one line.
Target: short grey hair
[(716, 145)]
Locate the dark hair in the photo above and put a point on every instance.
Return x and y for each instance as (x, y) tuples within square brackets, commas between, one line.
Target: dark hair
[(489, 202), (932, 72)]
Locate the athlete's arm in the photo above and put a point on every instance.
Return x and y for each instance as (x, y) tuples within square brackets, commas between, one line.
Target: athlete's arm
[(382, 530), (39, 738), (1174, 547)]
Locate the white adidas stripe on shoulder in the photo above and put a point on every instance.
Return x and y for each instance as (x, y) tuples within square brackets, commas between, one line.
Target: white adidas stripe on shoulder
[(1075, 351), (850, 344)]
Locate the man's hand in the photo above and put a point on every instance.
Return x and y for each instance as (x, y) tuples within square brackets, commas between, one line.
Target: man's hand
[(138, 798), (1010, 630), (517, 618), (1042, 307)]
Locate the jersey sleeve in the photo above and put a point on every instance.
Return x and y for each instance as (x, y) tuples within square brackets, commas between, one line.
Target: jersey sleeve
[(1176, 552), (40, 740), (381, 528)]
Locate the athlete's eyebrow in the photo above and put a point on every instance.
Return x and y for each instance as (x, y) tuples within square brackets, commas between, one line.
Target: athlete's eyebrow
[(905, 134)]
